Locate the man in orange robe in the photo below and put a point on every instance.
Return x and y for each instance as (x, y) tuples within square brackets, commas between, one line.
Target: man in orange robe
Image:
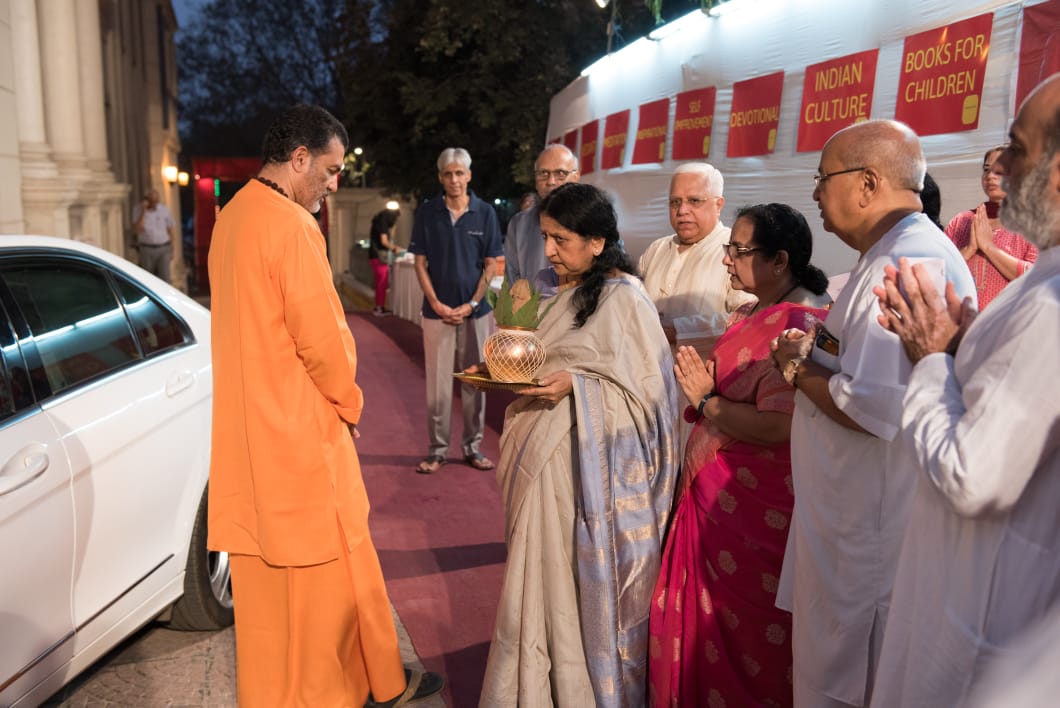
[(287, 501)]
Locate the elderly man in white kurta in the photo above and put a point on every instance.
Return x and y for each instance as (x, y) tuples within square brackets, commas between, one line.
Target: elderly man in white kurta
[(981, 558), (853, 484), (683, 273)]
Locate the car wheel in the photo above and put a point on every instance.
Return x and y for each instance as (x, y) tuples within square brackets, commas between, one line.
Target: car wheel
[(207, 600)]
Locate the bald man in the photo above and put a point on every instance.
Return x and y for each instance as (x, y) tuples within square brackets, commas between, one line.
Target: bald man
[(852, 482), (524, 249), (981, 558)]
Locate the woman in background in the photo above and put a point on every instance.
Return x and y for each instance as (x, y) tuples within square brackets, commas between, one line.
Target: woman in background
[(380, 250), (717, 637), (994, 254)]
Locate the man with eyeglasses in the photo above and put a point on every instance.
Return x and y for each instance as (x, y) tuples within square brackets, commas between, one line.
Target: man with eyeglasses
[(524, 249), (981, 558), (683, 272), (852, 481)]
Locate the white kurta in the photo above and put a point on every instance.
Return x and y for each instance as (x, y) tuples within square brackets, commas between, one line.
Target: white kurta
[(852, 489), (1026, 673), (691, 288), (981, 558)]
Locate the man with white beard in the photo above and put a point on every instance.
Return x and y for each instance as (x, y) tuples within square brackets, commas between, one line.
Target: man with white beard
[(981, 556)]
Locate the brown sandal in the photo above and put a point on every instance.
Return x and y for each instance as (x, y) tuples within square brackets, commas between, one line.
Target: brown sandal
[(430, 464), (479, 461)]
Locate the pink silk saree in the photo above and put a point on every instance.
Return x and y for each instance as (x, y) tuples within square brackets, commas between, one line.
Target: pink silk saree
[(716, 637)]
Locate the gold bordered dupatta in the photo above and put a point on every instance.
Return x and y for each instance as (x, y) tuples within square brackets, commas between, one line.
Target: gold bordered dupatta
[(626, 405)]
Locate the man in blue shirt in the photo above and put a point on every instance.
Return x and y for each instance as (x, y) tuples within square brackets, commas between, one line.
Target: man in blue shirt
[(456, 241)]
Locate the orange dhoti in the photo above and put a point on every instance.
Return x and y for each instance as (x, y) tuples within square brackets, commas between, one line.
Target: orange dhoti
[(319, 635)]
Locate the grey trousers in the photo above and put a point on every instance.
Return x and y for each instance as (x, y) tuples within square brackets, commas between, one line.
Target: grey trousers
[(448, 349), (156, 260)]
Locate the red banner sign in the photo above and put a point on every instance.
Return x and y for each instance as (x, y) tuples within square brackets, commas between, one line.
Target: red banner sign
[(650, 145), (571, 141), (1039, 47), (587, 160), (941, 84), (836, 93), (693, 122), (616, 130), (755, 115)]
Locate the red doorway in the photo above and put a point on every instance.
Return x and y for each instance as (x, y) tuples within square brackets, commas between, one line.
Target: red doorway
[(217, 179)]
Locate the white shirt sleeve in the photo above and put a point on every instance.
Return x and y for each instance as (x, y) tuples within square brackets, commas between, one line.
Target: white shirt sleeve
[(873, 366), (982, 440), (700, 326)]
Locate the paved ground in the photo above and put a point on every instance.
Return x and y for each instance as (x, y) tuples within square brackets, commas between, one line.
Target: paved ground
[(160, 667)]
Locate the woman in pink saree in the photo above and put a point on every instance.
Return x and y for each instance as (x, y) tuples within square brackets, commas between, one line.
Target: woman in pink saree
[(716, 638)]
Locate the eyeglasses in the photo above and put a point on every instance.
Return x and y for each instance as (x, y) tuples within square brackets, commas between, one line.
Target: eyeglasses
[(692, 202), (819, 178), (560, 175), (735, 250)]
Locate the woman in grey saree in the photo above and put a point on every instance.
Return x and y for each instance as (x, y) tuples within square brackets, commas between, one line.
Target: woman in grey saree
[(587, 471)]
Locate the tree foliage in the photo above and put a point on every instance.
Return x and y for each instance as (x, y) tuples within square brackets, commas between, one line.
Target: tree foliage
[(241, 61), (407, 77), (437, 73)]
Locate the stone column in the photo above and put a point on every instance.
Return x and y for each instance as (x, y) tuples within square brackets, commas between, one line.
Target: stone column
[(62, 94), (90, 65), (46, 197), (29, 101)]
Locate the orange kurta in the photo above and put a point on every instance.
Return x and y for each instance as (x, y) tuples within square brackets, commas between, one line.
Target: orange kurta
[(283, 462), (313, 624)]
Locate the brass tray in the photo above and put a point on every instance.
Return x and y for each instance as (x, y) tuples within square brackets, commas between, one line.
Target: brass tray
[(484, 381)]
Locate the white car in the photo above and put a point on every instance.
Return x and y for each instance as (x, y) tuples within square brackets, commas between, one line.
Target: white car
[(105, 404)]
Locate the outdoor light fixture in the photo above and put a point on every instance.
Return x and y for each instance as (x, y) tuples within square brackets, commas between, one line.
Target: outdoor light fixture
[(169, 173), (182, 179), (392, 205), (602, 3)]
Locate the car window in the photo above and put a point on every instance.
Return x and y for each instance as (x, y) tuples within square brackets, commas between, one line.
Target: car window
[(157, 328), (76, 323), (8, 354)]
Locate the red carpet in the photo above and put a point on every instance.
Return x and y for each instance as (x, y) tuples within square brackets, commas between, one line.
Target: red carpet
[(440, 537)]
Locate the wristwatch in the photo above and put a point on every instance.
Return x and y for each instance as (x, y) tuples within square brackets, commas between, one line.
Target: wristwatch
[(473, 303), (703, 402)]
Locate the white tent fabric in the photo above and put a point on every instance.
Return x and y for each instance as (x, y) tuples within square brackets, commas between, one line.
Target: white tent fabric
[(757, 37)]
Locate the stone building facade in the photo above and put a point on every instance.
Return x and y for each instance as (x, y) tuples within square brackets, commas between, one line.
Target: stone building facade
[(88, 117)]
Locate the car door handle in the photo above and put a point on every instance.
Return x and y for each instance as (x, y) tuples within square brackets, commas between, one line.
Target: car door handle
[(23, 467), (178, 382)]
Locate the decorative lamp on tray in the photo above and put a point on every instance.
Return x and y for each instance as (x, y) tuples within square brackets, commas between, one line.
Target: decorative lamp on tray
[(513, 353)]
